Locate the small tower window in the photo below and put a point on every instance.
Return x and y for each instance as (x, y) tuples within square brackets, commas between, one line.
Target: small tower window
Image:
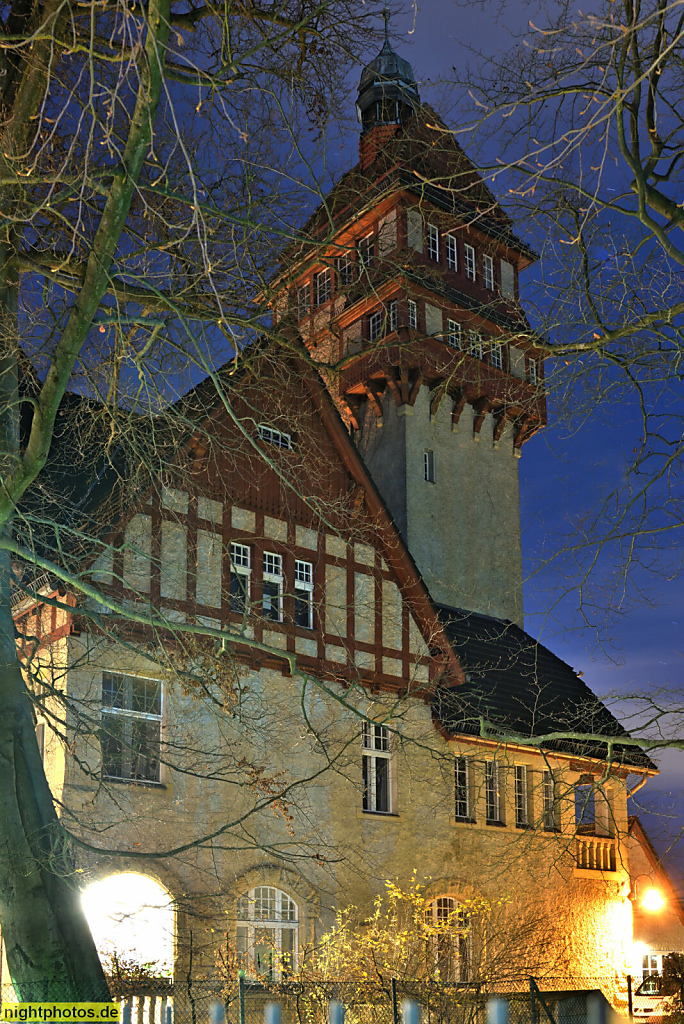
[(533, 372), (452, 252), (433, 242), (303, 301), (322, 286), (488, 272), (429, 465), (413, 314), (469, 257), (454, 333)]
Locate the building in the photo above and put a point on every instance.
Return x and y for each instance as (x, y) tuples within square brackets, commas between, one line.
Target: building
[(343, 522)]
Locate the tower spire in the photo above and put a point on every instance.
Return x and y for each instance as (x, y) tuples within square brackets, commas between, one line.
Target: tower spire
[(386, 16), (388, 94)]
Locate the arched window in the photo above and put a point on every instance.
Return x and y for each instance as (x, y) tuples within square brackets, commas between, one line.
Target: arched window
[(448, 928), (267, 932)]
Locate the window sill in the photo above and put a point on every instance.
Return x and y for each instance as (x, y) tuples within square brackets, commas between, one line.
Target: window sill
[(379, 815), (525, 826), (143, 783), (495, 824), (463, 821)]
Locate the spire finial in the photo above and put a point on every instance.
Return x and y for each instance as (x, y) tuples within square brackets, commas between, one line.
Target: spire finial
[(386, 16)]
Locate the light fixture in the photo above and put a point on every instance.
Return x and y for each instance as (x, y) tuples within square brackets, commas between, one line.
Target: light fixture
[(650, 898)]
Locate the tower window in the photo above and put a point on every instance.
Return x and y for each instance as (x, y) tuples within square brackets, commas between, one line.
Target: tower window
[(322, 284), (303, 301), (521, 803), (433, 242), (303, 594), (366, 251), (375, 325), (413, 314), (451, 252), (393, 315), (454, 333), (272, 600), (492, 793), (533, 372), (345, 270), (488, 272), (475, 344), (496, 355), (469, 257), (429, 465), (240, 561), (376, 768)]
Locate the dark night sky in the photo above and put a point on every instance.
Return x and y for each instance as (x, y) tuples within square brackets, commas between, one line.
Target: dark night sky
[(563, 471)]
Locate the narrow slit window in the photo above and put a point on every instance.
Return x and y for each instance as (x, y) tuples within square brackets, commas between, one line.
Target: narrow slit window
[(272, 597), (303, 594), (521, 799), (393, 315), (451, 252), (533, 372), (429, 465)]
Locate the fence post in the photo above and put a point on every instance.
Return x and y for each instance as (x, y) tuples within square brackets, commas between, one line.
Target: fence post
[(630, 1000), (335, 1012), (533, 1003), (241, 996), (395, 1004)]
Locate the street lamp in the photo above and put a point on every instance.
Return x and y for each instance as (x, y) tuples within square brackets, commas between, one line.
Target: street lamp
[(647, 896)]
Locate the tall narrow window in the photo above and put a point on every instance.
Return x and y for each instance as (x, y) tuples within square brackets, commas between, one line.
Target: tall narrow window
[(522, 818), (462, 789), (303, 301), (488, 272), (507, 280), (452, 252), (393, 315), (550, 816), (414, 230), (429, 465), (40, 737), (469, 259), (303, 594), (454, 333), (533, 372), (375, 325), (240, 565), (492, 793), (413, 314), (267, 933), (448, 926), (475, 347), (585, 807), (323, 285), (376, 768), (131, 727), (345, 270), (366, 250), (272, 599), (496, 355), (433, 242)]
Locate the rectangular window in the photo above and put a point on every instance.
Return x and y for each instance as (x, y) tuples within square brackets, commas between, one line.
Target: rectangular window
[(375, 325), (522, 818), (475, 344), (507, 280), (393, 315), (303, 594), (345, 270), (413, 314), (414, 230), (376, 768), (240, 564), (454, 333), (462, 789), (452, 252), (492, 793), (550, 815), (131, 727), (272, 600), (433, 242), (272, 436), (469, 258), (488, 272), (366, 250), (323, 286), (429, 465), (496, 355), (585, 808), (533, 372), (303, 301), (650, 965)]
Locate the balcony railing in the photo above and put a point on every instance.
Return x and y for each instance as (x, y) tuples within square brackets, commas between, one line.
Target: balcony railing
[(595, 853)]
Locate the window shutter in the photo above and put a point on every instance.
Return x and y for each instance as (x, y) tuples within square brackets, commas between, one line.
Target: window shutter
[(414, 226), (507, 280), (433, 319)]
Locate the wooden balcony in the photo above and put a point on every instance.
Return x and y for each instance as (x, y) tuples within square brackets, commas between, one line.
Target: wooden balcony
[(595, 853)]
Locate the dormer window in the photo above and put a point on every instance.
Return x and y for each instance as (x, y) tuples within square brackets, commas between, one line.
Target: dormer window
[(272, 436), (323, 286)]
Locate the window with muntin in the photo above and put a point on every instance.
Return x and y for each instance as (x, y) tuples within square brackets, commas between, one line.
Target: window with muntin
[(272, 594), (377, 795), (267, 933), (131, 722)]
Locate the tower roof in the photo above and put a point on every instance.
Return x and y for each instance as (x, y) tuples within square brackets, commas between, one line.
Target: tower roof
[(387, 89)]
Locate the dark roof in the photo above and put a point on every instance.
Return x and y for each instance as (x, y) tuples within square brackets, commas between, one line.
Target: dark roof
[(520, 687)]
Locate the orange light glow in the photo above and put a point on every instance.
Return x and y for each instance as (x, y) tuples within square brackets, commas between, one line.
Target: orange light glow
[(652, 900)]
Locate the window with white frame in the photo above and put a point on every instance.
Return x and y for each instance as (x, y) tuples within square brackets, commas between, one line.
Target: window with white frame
[(323, 286), (376, 763), (496, 354), (462, 789), (393, 315), (448, 925), (240, 568), (493, 793), (488, 272), (131, 724), (454, 333), (429, 465), (345, 270), (303, 595), (433, 242), (533, 372), (550, 802), (413, 314), (522, 815), (267, 933), (303, 301), (366, 251), (475, 347), (469, 260), (272, 436), (272, 596), (375, 325), (651, 964), (451, 252)]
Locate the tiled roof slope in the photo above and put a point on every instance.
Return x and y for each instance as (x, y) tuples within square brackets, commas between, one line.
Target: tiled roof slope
[(521, 687)]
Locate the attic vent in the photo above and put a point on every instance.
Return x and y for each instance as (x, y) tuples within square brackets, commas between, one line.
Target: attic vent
[(272, 436)]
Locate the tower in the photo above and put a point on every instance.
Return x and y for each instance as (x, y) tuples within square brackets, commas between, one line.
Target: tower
[(405, 288)]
